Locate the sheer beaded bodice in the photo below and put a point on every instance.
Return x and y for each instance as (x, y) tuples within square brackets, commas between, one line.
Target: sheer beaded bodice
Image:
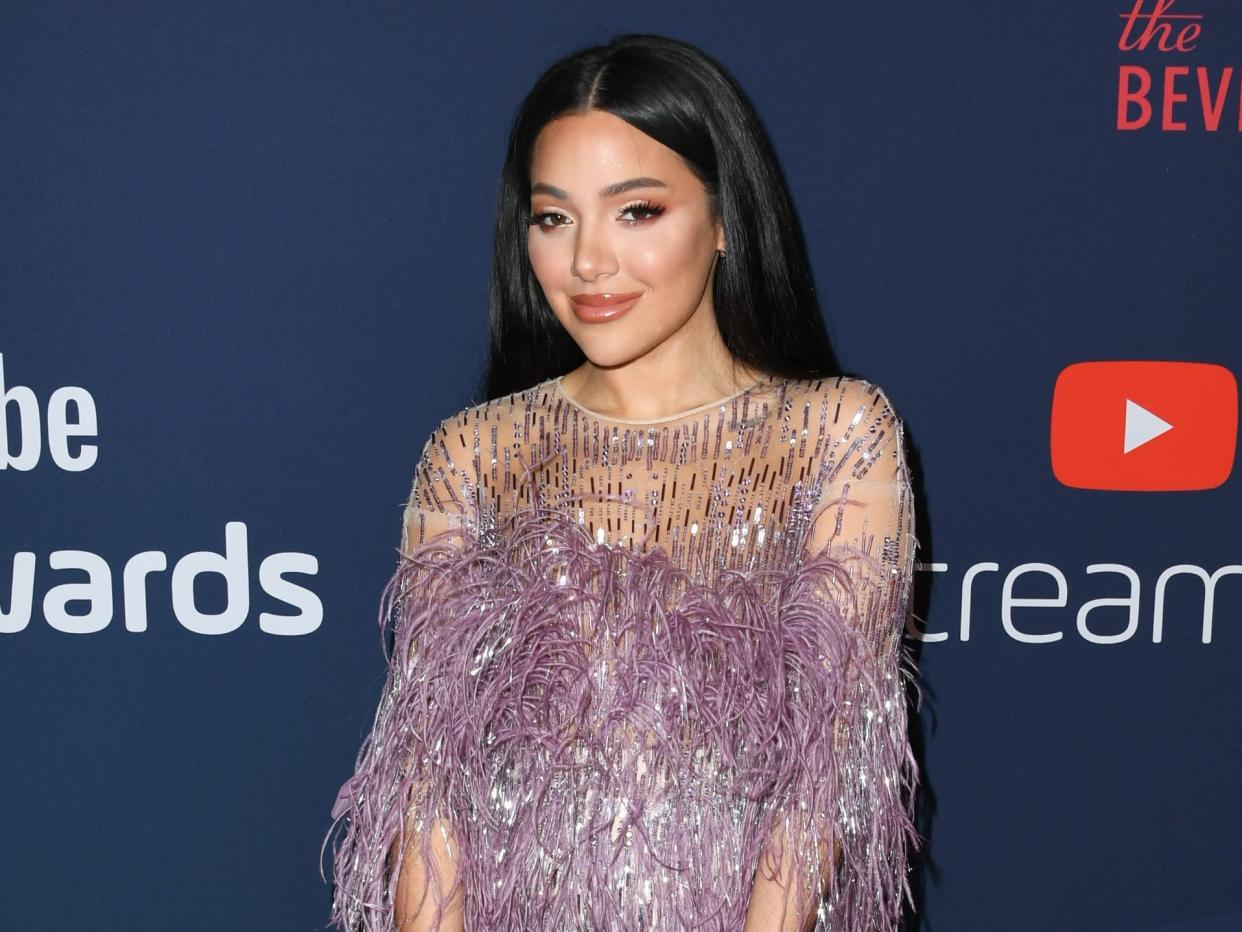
[(728, 485)]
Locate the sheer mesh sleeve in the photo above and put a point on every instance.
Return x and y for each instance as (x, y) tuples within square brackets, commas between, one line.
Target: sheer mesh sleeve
[(865, 522), (442, 488), (398, 806), (866, 516)]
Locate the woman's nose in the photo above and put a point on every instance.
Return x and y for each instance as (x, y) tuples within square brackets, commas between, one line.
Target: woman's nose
[(593, 254)]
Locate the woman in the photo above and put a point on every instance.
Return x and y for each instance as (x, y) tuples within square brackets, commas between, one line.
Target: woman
[(647, 670)]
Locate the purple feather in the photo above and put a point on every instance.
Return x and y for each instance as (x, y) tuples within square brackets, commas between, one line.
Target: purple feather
[(614, 743)]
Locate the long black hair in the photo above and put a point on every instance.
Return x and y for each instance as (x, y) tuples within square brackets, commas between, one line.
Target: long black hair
[(763, 292)]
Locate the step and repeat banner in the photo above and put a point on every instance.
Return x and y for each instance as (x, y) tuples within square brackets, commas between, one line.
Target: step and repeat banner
[(244, 252)]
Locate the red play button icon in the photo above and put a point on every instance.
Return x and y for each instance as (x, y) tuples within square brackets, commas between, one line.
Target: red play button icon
[(1144, 426)]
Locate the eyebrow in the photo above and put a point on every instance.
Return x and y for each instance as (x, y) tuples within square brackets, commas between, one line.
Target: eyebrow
[(619, 187)]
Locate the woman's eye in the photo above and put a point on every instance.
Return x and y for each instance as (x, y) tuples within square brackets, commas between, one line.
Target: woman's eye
[(640, 213), (547, 220)]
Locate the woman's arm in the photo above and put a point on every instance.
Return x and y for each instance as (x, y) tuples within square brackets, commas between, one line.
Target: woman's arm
[(399, 866), (427, 874), (865, 520)]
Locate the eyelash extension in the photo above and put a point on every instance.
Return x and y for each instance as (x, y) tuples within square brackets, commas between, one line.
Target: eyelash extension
[(653, 209)]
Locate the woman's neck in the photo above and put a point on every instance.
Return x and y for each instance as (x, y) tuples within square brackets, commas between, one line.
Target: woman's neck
[(646, 390)]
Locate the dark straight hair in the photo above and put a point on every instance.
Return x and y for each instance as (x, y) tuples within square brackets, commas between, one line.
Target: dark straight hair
[(762, 291)]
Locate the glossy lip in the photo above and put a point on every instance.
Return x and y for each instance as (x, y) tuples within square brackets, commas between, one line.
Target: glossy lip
[(602, 306)]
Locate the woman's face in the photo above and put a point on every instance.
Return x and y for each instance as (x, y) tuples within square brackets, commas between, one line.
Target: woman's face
[(622, 238)]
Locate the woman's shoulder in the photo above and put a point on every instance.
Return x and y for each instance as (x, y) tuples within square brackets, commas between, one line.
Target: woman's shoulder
[(856, 397), (496, 410), (466, 420), (477, 429), (851, 424)]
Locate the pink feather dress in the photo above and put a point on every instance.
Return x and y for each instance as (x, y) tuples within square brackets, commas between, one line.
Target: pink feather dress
[(635, 662)]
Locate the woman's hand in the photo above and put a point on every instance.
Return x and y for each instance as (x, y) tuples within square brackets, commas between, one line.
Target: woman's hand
[(785, 903), (777, 906), (414, 907)]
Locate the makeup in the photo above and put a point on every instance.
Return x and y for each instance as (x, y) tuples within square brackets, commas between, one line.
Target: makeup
[(602, 307)]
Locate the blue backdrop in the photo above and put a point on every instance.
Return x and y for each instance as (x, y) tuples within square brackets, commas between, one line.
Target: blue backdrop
[(244, 252)]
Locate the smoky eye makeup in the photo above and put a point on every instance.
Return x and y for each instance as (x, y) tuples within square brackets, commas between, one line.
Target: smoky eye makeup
[(646, 210)]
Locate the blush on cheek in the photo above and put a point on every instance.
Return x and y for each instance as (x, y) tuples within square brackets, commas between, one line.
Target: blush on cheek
[(671, 259), (544, 263), (667, 257)]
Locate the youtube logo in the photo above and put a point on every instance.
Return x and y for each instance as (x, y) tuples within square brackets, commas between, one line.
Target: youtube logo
[(1144, 426)]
